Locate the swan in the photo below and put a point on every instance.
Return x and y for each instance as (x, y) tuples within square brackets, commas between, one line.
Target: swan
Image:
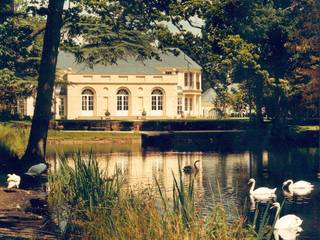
[(190, 169), (289, 222), (13, 180), (37, 169), (262, 192), (297, 185), (286, 234), (297, 192)]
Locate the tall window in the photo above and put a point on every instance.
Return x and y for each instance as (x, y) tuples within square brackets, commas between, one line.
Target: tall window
[(186, 79), (198, 80), (87, 100), (191, 80), (61, 107), (179, 106), (122, 100), (156, 100), (188, 104)]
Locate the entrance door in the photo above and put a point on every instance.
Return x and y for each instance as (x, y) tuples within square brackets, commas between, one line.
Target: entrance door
[(157, 103), (122, 103), (87, 97)]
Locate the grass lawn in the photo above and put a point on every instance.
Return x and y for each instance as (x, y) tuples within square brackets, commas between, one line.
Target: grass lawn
[(300, 128), (91, 135)]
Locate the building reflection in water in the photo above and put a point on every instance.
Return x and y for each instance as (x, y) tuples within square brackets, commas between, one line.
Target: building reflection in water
[(219, 176), (224, 176)]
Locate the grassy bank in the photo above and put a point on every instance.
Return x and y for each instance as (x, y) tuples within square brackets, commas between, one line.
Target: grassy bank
[(88, 203), (12, 141), (91, 135)]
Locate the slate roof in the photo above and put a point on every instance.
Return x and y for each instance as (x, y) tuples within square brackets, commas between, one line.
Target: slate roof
[(209, 95), (168, 60)]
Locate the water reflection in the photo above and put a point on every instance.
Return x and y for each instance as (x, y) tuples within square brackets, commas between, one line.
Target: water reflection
[(224, 175)]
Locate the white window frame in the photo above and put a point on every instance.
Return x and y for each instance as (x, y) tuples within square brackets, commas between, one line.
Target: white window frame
[(122, 102), (87, 102), (157, 97)]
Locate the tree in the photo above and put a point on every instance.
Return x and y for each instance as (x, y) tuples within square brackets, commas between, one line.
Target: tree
[(96, 32), (36, 148), (257, 32), (19, 58), (304, 44)]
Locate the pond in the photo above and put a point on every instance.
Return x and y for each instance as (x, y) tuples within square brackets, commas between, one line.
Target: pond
[(222, 175)]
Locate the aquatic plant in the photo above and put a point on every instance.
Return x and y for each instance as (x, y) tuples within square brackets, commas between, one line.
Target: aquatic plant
[(92, 205)]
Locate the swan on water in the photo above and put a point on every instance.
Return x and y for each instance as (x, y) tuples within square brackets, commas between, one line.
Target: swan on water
[(37, 170), (297, 192), (267, 192), (297, 185), (261, 199), (289, 222), (286, 234), (13, 180), (190, 168)]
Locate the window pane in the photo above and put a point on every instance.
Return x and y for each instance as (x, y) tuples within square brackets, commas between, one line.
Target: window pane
[(119, 103), (90, 103), (191, 79), (186, 104), (84, 103), (160, 103), (153, 102), (125, 103), (186, 79)]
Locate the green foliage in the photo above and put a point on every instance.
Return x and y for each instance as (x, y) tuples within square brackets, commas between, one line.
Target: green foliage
[(264, 45), (12, 141), (19, 57), (83, 190), (112, 30), (98, 207), (13, 88)]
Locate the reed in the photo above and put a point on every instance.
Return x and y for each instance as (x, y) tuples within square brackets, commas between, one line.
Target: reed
[(91, 205)]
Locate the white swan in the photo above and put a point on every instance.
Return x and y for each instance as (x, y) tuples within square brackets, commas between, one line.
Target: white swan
[(37, 170), (297, 185), (286, 234), (262, 192), (13, 180), (297, 192), (289, 222)]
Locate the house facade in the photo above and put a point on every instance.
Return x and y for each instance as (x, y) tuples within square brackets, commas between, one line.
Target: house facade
[(170, 88)]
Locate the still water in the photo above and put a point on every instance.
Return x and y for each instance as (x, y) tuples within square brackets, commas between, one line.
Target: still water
[(222, 175)]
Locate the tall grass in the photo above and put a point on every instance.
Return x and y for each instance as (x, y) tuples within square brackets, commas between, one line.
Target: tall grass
[(12, 141), (97, 206)]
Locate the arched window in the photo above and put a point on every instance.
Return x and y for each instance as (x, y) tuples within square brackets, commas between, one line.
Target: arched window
[(157, 100), (122, 100), (87, 100)]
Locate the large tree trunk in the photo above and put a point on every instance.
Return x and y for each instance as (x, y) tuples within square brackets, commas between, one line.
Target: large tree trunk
[(36, 149)]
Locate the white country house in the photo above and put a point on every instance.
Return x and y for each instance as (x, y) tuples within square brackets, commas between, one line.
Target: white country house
[(170, 88)]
